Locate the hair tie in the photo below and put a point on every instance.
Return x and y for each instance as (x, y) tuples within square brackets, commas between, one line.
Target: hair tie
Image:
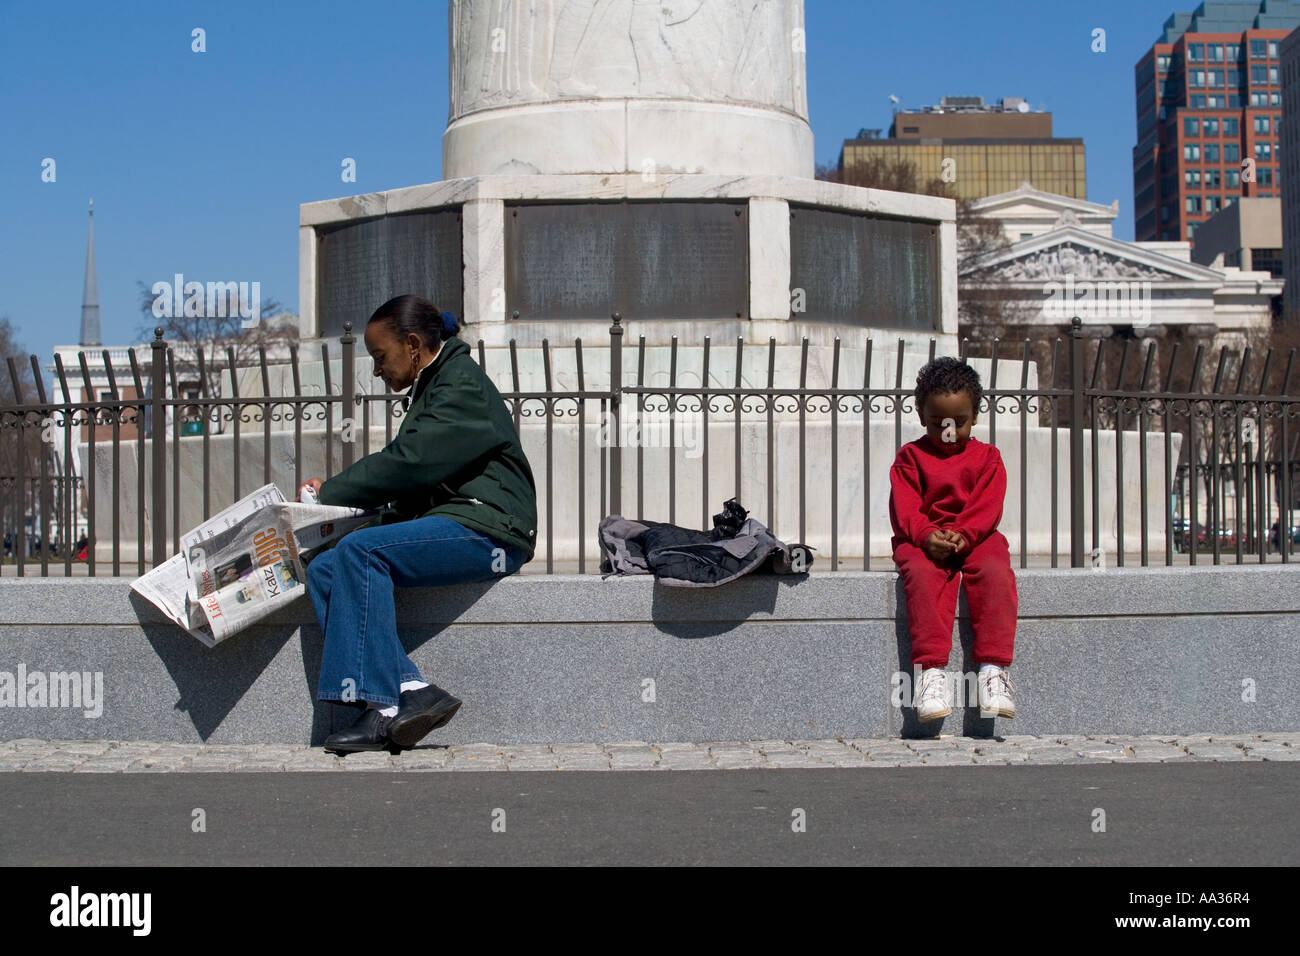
[(449, 326)]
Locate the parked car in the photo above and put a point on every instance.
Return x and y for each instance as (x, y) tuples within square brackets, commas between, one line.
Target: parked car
[(1275, 543), (1204, 538)]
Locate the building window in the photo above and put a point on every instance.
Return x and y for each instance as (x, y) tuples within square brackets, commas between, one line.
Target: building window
[(1234, 101), (1234, 51), (1261, 124), (1231, 152), (1234, 78), (1258, 49), (1211, 152), (1026, 235), (1162, 62), (1275, 98), (1215, 101), (1265, 175), (1215, 78), (1190, 126), (1212, 178), (1164, 213), (1212, 204), (1192, 177), (1258, 75), (1230, 126), (1195, 52), (1192, 151), (1214, 52), (1211, 127), (1196, 78), (1191, 203), (1272, 49), (1263, 150), (1191, 229), (1259, 99), (1234, 178), (1267, 260), (1273, 77), (1197, 100)]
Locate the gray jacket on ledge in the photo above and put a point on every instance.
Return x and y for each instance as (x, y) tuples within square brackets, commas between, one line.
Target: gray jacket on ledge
[(683, 557)]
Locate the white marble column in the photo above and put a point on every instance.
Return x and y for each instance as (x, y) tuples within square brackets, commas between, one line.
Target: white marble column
[(483, 242), (308, 321), (769, 258), (948, 276)]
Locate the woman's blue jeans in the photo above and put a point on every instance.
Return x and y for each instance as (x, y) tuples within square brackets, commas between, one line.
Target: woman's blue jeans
[(351, 586)]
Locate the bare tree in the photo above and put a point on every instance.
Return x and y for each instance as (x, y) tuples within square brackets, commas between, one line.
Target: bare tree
[(216, 337), (20, 433)]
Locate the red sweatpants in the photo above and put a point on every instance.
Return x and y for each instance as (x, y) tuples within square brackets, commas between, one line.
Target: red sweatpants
[(931, 594)]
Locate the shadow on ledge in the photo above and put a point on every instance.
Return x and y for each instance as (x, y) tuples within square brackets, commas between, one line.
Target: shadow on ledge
[(675, 610)]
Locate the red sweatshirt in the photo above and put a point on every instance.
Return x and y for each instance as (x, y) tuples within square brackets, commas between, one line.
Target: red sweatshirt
[(960, 492)]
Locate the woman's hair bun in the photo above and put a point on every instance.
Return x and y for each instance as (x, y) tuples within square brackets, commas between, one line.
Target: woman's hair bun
[(415, 314)]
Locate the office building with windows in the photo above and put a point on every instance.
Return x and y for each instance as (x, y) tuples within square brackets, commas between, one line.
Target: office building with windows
[(1209, 109), (1247, 234), (1290, 170), (992, 148)]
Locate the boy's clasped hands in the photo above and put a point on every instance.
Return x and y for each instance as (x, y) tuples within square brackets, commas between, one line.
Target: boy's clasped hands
[(943, 544)]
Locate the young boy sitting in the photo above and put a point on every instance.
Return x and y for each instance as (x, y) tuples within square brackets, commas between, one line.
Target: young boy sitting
[(945, 505)]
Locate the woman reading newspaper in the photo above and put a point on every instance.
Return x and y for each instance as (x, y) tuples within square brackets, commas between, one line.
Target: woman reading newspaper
[(464, 509)]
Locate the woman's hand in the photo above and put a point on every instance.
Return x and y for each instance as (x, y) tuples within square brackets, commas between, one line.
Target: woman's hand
[(312, 483)]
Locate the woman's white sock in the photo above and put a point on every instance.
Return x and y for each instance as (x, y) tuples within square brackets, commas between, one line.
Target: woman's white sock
[(411, 685)]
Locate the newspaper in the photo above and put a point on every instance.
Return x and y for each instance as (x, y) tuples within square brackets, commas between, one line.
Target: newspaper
[(245, 562)]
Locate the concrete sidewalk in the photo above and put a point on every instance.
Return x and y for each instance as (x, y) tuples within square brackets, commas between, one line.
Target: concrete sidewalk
[(109, 756)]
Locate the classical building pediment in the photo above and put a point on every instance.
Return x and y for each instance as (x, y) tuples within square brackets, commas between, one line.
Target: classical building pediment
[(1070, 250), (1029, 203)]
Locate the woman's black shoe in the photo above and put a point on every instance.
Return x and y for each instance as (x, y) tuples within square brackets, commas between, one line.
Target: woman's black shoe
[(420, 711), (368, 733)]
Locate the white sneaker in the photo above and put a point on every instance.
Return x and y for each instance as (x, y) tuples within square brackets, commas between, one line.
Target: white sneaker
[(996, 689), (933, 695)]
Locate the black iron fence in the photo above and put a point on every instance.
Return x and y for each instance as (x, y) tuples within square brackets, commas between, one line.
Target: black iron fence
[(1227, 450)]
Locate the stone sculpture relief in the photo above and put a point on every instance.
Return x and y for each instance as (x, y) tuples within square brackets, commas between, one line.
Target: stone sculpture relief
[(1072, 260), (510, 52)]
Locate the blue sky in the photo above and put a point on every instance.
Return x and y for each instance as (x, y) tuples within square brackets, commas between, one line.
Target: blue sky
[(198, 162)]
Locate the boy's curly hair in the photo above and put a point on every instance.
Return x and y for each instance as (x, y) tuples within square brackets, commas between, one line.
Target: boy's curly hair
[(948, 376)]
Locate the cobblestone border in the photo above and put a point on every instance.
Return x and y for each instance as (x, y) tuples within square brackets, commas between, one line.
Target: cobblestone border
[(113, 756)]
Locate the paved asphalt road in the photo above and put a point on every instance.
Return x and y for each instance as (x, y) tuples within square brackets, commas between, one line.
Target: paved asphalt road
[(1206, 814)]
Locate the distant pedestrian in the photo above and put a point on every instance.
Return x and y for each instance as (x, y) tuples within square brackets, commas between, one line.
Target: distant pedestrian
[(947, 491), (9, 545)]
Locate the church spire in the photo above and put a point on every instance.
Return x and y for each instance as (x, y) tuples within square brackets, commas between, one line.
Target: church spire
[(90, 295)]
